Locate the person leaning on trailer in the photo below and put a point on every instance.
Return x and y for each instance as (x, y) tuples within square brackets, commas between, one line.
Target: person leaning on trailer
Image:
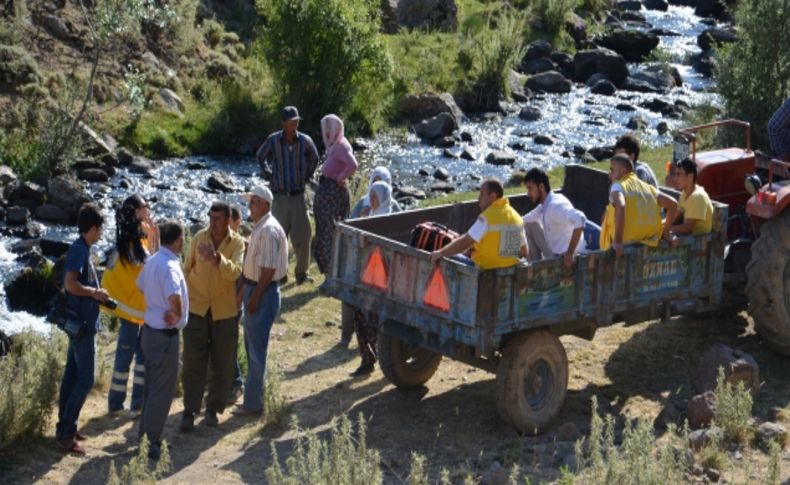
[(694, 206), (497, 237), (634, 211)]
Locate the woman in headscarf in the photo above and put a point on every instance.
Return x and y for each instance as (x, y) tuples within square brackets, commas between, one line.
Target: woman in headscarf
[(366, 325), (362, 207), (332, 199), (136, 237)]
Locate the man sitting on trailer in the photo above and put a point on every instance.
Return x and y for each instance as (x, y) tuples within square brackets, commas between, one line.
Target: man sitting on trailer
[(634, 211), (694, 205), (497, 237), (554, 227)]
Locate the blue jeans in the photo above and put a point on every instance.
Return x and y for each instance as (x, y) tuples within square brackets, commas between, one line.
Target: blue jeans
[(77, 382), (127, 348), (257, 327), (592, 235)]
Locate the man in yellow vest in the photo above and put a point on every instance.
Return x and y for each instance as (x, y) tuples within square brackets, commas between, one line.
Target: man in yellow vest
[(634, 211), (497, 237), (694, 205)]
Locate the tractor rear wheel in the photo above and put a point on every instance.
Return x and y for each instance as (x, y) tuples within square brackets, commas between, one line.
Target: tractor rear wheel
[(406, 366), (531, 380), (768, 283)]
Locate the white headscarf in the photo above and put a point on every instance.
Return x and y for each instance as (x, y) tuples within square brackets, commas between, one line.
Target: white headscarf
[(383, 174), (383, 192), (331, 131)]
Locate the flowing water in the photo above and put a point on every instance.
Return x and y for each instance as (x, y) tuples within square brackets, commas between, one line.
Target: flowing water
[(577, 118)]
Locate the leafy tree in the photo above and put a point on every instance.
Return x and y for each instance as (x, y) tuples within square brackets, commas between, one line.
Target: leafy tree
[(327, 56), (754, 73)]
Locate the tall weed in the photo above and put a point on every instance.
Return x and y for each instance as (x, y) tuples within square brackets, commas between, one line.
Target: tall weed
[(733, 410), (275, 406), (29, 377), (137, 472), (552, 13), (344, 458)]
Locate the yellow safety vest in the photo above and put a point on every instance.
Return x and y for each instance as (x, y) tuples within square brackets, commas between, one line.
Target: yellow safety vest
[(500, 246), (120, 281), (642, 214)]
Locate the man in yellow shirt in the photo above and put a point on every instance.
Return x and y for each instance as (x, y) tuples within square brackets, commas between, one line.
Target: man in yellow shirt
[(497, 237), (212, 267), (694, 205), (633, 214)]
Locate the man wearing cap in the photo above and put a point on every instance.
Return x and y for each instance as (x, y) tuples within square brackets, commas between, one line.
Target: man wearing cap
[(265, 264), (288, 160)]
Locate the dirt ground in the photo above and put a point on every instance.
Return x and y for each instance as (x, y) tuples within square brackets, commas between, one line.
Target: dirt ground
[(641, 370)]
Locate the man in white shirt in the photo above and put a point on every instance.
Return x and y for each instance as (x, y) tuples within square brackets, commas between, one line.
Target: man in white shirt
[(265, 264), (554, 227), (163, 284)]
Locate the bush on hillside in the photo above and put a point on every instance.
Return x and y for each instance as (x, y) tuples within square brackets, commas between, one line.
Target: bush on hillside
[(327, 56), (753, 75), (29, 377)]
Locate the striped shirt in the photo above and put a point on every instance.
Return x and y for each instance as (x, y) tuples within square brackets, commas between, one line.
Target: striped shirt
[(779, 130), (287, 167), (267, 248)]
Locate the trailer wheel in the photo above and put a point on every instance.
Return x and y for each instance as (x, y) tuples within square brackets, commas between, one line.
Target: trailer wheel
[(531, 380), (768, 285), (406, 366)]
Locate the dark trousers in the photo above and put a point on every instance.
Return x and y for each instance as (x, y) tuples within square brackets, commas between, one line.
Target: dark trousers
[(128, 348), (366, 328), (209, 344), (161, 377), (77, 382), (331, 205)]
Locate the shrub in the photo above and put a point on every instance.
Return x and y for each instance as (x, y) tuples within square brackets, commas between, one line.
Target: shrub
[(221, 68), (327, 56), (275, 406), (29, 377), (17, 68), (424, 62), (136, 472), (552, 13), (342, 459), (733, 409), (753, 75)]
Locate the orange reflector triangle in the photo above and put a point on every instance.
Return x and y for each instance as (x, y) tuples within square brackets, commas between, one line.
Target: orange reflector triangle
[(375, 274), (436, 294)]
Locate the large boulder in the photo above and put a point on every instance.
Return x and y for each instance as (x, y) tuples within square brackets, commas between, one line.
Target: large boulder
[(661, 5), (550, 82), (7, 175), (435, 129), (17, 216), (33, 287), (52, 247), (56, 26), (537, 66), (738, 366), (222, 182), (633, 45), (704, 63), (518, 92), (701, 410), (715, 37), (97, 145), (709, 8), (653, 79), (604, 87), (68, 194), (171, 100), (141, 166), (52, 213), (27, 191), (530, 113), (500, 158), (94, 175), (608, 63), (576, 28), (537, 49), (423, 14), (415, 108)]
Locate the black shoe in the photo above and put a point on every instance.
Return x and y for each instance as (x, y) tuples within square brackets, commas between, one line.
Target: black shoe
[(211, 419), (154, 451), (304, 278), (363, 370), (187, 423)]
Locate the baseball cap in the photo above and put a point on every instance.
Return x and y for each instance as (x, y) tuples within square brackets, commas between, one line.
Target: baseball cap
[(260, 192), (290, 113)]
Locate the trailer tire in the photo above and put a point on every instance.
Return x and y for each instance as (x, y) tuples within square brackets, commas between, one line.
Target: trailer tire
[(531, 359), (768, 283), (404, 365)]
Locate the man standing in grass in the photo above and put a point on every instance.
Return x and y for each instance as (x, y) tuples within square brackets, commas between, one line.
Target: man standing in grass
[(83, 296), (212, 268)]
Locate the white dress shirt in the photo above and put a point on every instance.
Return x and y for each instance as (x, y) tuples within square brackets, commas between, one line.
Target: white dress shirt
[(160, 278), (558, 218), (267, 248)]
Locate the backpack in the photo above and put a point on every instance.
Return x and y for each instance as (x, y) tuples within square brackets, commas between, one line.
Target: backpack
[(431, 236)]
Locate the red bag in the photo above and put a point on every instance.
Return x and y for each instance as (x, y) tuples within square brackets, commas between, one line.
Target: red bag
[(431, 236)]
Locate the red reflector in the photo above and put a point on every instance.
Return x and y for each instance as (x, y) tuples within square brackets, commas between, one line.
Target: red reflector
[(375, 273), (436, 294)]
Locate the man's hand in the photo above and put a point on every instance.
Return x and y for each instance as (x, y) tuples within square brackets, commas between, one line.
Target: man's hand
[(567, 259), (100, 294), (435, 256), (171, 318), (207, 252), (618, 249), (252, 305)]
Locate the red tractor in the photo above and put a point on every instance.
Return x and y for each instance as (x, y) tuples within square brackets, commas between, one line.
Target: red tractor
[(757, 189)]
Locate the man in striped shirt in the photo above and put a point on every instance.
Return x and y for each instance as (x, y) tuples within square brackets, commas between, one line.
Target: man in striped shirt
[(288, 160), (265, 263)]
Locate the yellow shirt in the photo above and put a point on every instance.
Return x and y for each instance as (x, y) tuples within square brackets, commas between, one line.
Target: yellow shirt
[(214, 287), (697, 206), (119, 279), (502, 236), (642, 214)]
